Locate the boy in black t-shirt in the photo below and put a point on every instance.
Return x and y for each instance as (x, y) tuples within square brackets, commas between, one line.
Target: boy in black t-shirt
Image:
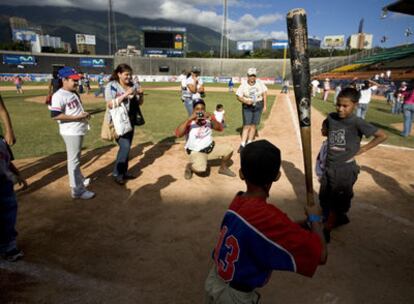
[(345, 131)]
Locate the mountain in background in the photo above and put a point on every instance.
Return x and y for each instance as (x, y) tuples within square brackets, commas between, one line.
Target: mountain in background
[(65, 22)]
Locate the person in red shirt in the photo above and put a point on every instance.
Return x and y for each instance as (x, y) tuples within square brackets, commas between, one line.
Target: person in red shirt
[(257, 238)]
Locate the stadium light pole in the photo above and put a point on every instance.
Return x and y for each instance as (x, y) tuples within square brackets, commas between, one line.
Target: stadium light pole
[(109, 28), (224, 35)]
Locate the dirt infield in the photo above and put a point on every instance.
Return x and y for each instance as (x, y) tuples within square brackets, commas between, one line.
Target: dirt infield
[(151, 240)]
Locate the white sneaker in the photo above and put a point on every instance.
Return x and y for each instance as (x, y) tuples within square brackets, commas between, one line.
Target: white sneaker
[(85, 195), (86, 182)]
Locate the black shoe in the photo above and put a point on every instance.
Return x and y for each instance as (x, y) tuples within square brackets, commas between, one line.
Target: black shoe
[(240, 149), (13, 255), (341, 219), (327, 235), (119, 180)]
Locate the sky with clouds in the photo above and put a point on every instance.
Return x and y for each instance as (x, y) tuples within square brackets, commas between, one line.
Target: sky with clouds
[(258, 19)]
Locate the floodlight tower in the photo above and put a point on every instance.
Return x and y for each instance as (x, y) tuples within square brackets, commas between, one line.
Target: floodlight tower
[(224, 44), (112, 35)]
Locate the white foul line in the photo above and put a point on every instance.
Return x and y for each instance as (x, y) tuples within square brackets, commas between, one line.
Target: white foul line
[(295, 121)]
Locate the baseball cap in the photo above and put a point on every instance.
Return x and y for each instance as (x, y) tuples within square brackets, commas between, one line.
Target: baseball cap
[(403, 83), (198, 101), (260, 162), (195, 69), (68, 72), (251, 71)]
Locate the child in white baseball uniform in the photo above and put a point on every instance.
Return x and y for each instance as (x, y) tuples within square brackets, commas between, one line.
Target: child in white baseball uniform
[(67, 110)]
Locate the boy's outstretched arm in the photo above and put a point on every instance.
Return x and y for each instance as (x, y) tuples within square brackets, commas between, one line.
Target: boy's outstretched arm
[(317, 228), (379, 137)]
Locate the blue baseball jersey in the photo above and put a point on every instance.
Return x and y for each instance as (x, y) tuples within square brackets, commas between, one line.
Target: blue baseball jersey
[(257, 238)]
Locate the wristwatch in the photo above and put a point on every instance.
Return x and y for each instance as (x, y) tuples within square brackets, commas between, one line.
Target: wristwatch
[(312, 218)]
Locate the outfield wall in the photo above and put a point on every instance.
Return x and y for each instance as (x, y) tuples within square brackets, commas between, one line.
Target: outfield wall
[(212, 66), (267, 68)]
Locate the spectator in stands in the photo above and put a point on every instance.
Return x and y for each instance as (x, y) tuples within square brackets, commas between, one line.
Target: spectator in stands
[(366, 95), (326, 88), (408, 110), (388, 74)]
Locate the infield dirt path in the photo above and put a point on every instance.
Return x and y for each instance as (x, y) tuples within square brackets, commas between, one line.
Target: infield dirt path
[(151, 240)]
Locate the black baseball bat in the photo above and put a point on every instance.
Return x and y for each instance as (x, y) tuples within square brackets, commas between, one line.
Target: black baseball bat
[(299, 59)]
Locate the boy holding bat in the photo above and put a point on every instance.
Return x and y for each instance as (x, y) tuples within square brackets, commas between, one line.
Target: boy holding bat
[(345, 131), (257, 238)]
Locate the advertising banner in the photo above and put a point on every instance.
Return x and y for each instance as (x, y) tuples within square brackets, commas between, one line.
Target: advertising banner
[(22, 35), (279, 44), (334, 41), (19, 59), (85, 39), (92, 62), (245, 45)]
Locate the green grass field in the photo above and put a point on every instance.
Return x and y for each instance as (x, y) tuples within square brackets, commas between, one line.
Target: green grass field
[(37, 134), (379, 114)]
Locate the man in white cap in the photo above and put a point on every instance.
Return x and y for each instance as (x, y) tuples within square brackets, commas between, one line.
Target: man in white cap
[(253, 96), (192, 89)]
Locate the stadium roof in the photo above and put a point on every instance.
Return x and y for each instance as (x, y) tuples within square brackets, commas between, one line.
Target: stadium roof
[(401, 6)]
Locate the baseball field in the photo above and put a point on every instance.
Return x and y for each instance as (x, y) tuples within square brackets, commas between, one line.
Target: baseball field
[(150, 241)]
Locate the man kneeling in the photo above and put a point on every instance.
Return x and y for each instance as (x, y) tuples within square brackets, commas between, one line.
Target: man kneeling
[(200, 147)]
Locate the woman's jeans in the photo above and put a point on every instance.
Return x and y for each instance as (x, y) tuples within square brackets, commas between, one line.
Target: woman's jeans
[(408, 110), (121, 163), (362, 110)]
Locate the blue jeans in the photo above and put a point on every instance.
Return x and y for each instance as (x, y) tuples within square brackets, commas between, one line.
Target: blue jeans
[(100, 91), (122, 158), (362, 110), (8, 216), (188, 104), (408, 110), (396, 107)]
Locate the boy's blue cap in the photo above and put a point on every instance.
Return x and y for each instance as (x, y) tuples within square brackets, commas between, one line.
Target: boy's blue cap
[(68, 72)]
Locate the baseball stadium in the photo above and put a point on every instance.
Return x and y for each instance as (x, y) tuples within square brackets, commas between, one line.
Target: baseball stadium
[(149, 159)]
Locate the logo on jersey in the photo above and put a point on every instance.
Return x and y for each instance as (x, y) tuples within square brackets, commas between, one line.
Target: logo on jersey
[(226, 254)]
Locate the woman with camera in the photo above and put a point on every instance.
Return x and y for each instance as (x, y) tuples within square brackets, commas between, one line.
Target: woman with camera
[(192, 89), (200, 146), (121, 90)]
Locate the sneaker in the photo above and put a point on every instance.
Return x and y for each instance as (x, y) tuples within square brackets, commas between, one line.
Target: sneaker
[(341, 219), (188, 173), (13, 255), (129, 176), (85, 195), (327, 235), (119, 180), (227, 171), (86, 182)]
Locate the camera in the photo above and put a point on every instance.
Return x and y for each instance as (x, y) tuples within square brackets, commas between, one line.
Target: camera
[(200, 115)]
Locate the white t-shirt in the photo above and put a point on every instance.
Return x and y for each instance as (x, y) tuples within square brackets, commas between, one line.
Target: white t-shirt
[(199, 137), (113, 90), (254, 92), (326, 85), (69, 103), (315, 83), (219, 115), (366, 95), (186, 93)]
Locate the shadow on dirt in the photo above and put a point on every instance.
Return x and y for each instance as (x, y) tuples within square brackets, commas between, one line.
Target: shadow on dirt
[(388, 183)]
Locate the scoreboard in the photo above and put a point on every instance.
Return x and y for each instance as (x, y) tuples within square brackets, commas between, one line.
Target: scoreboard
[(159, 41)]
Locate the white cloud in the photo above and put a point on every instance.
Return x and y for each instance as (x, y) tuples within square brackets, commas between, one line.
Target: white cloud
[(247, 27)]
